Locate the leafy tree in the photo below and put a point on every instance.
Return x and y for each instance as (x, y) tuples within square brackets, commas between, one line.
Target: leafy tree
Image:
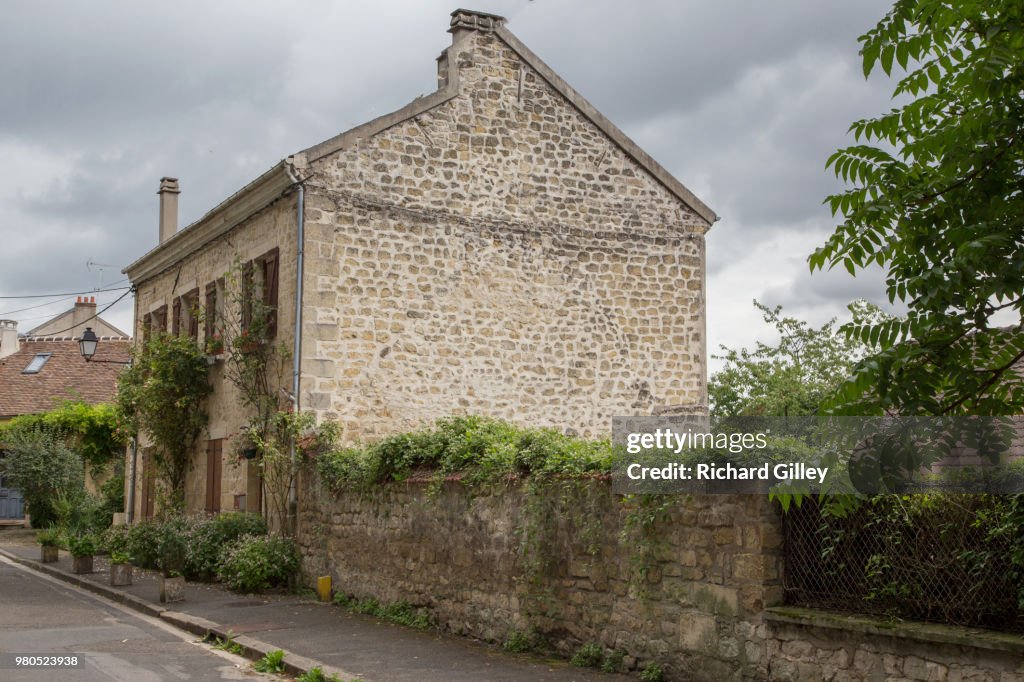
[(793, 377), (41, 464), (937, 200), (92, 431), (162, 394)]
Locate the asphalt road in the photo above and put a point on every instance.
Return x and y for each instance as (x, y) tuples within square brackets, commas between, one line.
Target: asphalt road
[(39, 615)]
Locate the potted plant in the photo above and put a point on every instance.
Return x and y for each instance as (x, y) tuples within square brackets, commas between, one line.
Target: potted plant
[(172, 566), (82, 547), (120, 569), (48, 540), (215, 346)]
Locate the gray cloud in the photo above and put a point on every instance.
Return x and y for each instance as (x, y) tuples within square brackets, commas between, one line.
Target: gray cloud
[(742, 102)]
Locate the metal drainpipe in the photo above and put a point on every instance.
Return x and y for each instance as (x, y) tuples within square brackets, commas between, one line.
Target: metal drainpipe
[(297, 352), (131, 488)]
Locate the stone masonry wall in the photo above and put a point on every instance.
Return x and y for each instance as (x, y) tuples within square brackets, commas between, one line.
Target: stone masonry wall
[(810, 645), (272, 227), (573, 562), (498, 254)]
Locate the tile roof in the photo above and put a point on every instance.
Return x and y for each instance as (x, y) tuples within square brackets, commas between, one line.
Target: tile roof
[(66, 375)]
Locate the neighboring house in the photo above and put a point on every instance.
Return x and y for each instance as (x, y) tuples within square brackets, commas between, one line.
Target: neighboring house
[(496, 247), (45, 367)]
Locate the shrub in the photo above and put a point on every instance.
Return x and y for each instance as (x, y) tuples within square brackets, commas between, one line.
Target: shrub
[(82, 545), (40, 464), (115, 539), (614, 661), (652, 672), (119, 558), (144, 543), (316, 675), (482, 449), (255, 562), (589, 655), (49, 537), (210, 537)]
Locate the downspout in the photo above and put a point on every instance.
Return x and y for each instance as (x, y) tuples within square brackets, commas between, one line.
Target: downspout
[(297, 351)]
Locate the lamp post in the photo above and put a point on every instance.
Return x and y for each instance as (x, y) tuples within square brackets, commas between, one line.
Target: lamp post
[(88, 344)]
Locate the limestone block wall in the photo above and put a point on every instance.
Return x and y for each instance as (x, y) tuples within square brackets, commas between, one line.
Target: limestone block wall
[(805, 644), (498, 254), (272, 227), (574, 563)]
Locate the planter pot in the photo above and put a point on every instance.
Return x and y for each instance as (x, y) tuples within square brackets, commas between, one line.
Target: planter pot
[(172, 589), (250, 453), (81, 564), (120, 574), (49, 554)]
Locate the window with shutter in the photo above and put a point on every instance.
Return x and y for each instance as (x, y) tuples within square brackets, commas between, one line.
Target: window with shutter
[(214, 454), (176, 316), (210, 322), (269, 263)]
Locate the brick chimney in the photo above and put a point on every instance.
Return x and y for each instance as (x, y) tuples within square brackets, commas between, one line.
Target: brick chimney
[(8, 338), (168, 208), (85, 308), (465, 21)]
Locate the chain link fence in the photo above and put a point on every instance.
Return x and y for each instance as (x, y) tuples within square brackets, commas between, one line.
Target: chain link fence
[(953, 559)]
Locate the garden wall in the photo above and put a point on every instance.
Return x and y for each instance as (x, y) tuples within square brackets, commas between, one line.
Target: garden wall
[(680, 581)]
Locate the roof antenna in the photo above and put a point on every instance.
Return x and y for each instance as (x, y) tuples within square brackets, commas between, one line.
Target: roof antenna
[(90, 265)]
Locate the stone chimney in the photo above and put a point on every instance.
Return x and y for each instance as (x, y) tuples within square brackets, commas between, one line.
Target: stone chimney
[(465, 21), (85, 309), (8, 338), (168, 208)]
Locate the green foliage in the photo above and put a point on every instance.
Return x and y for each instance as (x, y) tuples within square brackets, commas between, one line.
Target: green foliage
[(794, 376), (92, 431), (112, 491), (82, 545), (589, 655), (207, 540), (254, 562), (115, 539), (519, 642), (172, 546), (273, 662), (936, 201), (143, 543), (49, 537), (479, 449), (117, 557), (400, 612), (614, 661), (316, 675), (652, 672), (79, 512), (40, 463), (229, 644), (163, 393)]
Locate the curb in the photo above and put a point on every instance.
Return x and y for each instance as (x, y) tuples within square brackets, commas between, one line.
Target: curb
[(253, 649)]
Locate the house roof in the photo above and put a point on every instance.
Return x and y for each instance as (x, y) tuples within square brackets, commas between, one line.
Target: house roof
[(64, 375), (281, 177)]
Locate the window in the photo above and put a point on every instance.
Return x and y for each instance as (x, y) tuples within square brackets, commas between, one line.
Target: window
[(268, 266), (158, 320), (214, 450), (185, 315), (260, 282), (37, 363)]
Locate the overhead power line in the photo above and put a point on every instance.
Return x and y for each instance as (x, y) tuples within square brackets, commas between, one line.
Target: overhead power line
[(111, 305), (66, 293)]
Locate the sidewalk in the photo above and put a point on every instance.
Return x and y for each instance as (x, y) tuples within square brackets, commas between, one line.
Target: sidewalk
[(314, 634)]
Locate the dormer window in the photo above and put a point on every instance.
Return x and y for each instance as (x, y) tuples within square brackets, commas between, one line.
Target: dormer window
[(37, 363)]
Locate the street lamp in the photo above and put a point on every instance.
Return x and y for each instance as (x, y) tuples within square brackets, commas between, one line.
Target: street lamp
[(87, 345)]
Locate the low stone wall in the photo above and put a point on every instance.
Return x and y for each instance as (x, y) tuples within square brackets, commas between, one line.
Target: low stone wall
[(805, 644), (682, 581)]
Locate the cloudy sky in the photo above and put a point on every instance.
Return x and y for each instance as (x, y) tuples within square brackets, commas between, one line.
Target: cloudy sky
[(743, 101)]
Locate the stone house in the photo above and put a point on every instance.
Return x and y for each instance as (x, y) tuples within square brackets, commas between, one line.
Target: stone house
[(495, 247)]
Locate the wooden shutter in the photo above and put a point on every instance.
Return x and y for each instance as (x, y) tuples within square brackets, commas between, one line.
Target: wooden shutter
[(176, 316), (213, 474), (210, 325), (192, 308), (270, 268), (147, 326), (247, 293)]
